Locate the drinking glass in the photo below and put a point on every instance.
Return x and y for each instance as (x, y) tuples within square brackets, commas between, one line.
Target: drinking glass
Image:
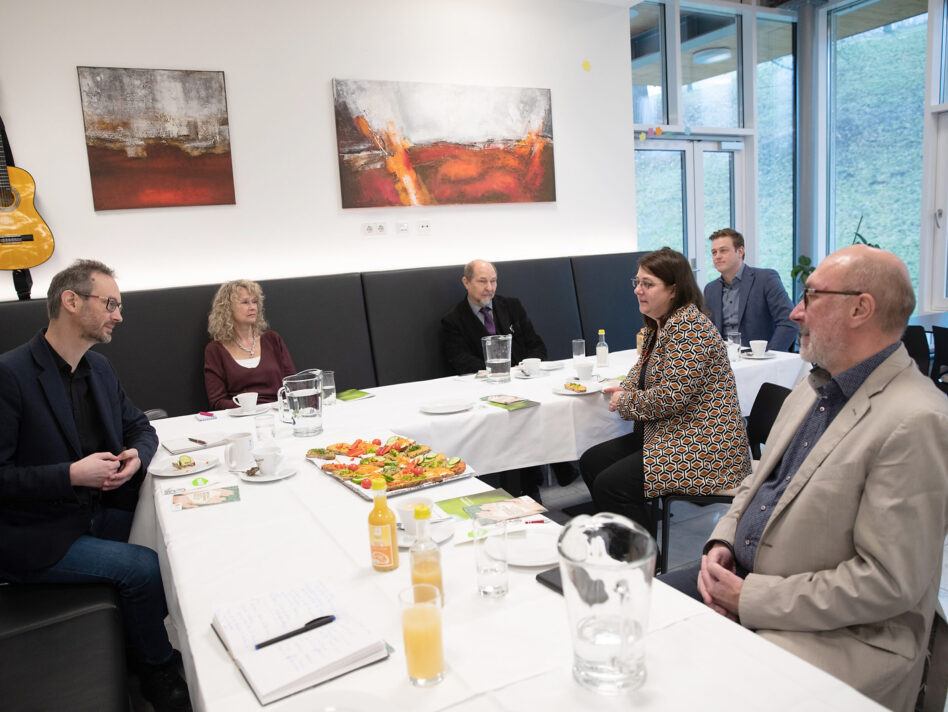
[(579, 349), (734, 345), (490, 555), (421, 628), (606, 564), (329, 387), (265, 427)]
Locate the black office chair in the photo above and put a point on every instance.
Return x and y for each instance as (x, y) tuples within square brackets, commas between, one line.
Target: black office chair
[(917, 346), (763, 413), (940, 362)]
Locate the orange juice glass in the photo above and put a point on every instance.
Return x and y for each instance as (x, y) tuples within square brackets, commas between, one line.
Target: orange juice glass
[(421, 628)]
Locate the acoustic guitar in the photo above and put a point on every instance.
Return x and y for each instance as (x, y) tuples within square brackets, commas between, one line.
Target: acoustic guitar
[(25, 240)]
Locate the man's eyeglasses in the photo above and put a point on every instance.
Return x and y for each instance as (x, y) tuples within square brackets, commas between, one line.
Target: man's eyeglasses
[(810, 290), (111, 303), (645, 284)]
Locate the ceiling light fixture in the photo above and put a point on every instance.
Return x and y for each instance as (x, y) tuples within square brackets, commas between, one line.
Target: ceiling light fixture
[(711, 55)]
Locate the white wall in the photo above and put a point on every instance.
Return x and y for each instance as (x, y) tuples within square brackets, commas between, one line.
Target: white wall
[(279, 58)]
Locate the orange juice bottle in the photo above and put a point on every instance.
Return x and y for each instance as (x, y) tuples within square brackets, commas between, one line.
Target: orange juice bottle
[(425, 554), (383, 538)]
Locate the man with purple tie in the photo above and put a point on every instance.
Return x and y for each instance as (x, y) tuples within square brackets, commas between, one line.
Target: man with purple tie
[(484, 312)]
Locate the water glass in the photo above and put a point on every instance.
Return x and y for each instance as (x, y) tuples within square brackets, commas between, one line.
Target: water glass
[(265, 428), (734, 337), (497, 357), (421, 629), (490, 555), (579, 349), (329, 387), (606, 564)]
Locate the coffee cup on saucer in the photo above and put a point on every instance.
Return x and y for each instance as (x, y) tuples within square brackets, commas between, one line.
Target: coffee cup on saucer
[(530, 366), (758, 348), (268, 459), (584, 369), (246, 402)]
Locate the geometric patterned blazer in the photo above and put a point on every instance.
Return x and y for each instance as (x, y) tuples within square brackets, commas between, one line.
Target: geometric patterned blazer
[(695, 440)]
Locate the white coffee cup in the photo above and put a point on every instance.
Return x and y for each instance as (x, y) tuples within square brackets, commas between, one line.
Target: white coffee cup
[(238, 453), (584, 369), (758, 347), (246, 401), (530, 366), (268, 459), (406, 512)]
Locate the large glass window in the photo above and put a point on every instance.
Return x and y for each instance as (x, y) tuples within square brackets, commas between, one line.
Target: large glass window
[(710, 78), (718, 203), (647, 40), (877, 101), (776, 141), (660, 199)]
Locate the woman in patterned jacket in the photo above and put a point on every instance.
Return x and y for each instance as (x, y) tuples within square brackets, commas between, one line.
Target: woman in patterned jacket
[(689, 434)]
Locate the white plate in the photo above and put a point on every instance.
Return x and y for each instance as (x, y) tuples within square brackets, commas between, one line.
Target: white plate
[(446, 406), (550, 365), (535, 546), (440, 533), (767, 355), (285, 471), (590, 388), (165, 469), (517, 373), (240, 412)]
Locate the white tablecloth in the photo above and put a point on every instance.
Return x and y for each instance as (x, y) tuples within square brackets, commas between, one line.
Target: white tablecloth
[(507, 654)]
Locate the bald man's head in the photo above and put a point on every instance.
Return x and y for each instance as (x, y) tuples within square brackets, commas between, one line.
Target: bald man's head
[(885, 277)]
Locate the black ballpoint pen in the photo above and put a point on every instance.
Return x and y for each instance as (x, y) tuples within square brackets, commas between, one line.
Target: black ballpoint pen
[(315, 623)]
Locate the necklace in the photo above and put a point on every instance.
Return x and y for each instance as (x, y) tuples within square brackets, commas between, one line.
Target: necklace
[(253, 345)]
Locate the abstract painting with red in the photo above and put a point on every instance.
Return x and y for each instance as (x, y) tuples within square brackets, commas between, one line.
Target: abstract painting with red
[(156, 137), (405, 143)]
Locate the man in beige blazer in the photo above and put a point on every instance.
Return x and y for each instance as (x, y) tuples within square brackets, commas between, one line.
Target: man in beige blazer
[(832, 549)]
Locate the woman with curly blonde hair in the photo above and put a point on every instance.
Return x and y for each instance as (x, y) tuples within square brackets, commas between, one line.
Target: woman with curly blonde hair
[(243, 356)]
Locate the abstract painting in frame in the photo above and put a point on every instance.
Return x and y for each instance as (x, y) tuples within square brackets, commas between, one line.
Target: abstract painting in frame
[(407, 143), (156, 137)]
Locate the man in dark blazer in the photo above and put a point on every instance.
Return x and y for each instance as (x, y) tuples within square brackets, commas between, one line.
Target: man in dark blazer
[(484, 312), (747, 299), (73, 454)]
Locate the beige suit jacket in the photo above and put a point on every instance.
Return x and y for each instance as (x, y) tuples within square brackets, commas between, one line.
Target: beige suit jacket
[(847, 572)]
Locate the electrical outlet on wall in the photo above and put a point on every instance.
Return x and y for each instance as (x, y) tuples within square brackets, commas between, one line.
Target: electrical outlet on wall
[(423, 227), (373, 229), (402, 228)]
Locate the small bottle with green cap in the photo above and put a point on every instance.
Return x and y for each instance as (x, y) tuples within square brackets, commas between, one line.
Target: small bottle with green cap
[(602, 350), (383, 536), (425, 554)]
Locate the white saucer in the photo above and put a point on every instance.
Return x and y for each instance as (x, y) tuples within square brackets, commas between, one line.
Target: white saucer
[(440, 533), (535, 546), (240, 412), (166, 469), (444, 407), (550, 365), (284, 472), (590, 388), (767, 355), (517, 373)]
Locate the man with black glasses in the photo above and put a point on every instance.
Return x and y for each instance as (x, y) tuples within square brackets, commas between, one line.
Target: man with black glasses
[(73, 453), (833, 547)]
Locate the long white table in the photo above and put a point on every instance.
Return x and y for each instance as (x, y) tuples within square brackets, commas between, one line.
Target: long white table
[(504, 654)]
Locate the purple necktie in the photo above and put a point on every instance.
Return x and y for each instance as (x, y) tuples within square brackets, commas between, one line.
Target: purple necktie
[(488, 321)]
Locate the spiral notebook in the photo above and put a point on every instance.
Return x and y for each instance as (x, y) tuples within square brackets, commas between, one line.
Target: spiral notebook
[(303, 660)]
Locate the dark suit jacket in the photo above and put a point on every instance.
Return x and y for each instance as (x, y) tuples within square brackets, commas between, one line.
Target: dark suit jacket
[(763, 309), (461, 334), (41, 513)]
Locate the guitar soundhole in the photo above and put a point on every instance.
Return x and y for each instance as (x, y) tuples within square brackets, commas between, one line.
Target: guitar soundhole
[(9, 199)]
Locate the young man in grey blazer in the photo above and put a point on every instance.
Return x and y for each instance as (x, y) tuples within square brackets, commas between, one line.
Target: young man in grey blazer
[(750, 300), (833, 547)]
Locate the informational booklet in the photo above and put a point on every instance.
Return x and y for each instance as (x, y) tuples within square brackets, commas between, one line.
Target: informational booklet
[(456, 505), (353, 394), (205, 498), (302, 660), (510, 402), (179, 446), (505, 509)]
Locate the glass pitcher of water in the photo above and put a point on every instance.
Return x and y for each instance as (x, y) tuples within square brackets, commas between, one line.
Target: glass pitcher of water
[(606, 562), (301, 402)]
